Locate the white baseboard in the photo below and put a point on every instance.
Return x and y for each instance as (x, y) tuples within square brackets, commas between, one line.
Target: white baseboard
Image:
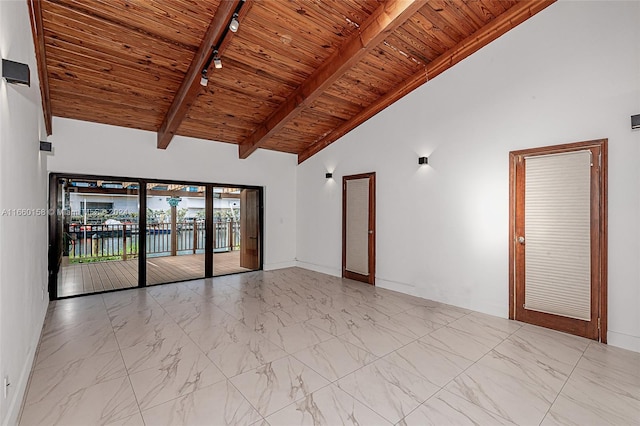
[(15, 407), (319, 268), (411, 289), (278, 265), (397, 286), (624, 341)]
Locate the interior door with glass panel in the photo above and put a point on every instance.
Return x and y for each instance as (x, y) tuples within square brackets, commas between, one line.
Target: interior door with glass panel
[(558, 238)]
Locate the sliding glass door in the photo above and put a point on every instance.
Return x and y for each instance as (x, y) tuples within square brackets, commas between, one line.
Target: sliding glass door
[(99, 220), (237, 230), (111, 233), (175, 232)]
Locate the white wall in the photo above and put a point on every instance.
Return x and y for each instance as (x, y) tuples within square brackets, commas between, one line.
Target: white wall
[(23, 239), (90, 148), (569, 74)]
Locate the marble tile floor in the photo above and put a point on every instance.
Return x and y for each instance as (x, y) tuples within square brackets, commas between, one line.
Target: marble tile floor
[(295, 347)]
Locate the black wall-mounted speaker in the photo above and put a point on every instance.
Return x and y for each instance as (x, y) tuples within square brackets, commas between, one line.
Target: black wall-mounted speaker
[(15, 72), (635, 121)]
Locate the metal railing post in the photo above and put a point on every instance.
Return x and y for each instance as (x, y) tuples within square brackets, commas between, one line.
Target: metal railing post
[(124, 241), (195, 235)]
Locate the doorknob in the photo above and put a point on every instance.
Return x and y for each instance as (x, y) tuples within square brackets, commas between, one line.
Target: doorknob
[(521, 240)]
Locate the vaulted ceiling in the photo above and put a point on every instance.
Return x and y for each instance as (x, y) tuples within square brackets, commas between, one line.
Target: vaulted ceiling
[(296, 76)]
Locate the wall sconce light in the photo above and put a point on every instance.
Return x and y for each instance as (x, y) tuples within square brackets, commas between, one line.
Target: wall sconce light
[(423, 160), (46, 146), (328, 175), (15, 72)]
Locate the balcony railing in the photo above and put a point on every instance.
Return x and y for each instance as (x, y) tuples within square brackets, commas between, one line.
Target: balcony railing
[(121, 241)]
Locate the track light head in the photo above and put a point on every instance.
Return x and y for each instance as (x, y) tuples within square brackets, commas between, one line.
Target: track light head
[(234, 24), (204, 80), (217, 62)]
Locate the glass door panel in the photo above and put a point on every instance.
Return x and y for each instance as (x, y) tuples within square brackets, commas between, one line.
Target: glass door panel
[(175, 232), (100, 235), (236, 230)]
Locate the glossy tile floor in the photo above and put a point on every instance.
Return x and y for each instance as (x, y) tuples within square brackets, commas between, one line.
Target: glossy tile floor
[(293, 347)]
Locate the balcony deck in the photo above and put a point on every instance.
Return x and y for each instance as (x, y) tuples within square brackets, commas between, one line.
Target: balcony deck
[(84, 278)]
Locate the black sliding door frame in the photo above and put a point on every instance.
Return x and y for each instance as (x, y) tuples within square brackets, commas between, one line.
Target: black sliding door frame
[(56, 232), (142, 227)]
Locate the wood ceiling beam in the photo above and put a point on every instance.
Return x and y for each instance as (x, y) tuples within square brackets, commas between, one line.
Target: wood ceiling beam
[(190, 87), (383, 21), (508, 20), (37, 31)]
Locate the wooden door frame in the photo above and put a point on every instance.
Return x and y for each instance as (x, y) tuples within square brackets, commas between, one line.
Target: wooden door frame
[(601, 274), (371, 278)]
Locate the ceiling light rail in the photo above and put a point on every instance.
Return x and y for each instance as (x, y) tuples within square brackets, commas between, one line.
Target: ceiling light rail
[(214, 57)]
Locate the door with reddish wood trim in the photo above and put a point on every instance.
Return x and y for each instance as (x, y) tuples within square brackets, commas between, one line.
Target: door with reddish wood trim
[(250, 229), (558, 238), (359, 227)]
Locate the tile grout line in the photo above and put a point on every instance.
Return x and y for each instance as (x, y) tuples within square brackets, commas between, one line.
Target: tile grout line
[(471, 365), (189, 337), (565, 383), (126, 369), (378, 358)]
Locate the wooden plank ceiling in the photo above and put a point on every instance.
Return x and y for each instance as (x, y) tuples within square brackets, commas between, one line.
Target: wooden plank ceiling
[(296, 76)]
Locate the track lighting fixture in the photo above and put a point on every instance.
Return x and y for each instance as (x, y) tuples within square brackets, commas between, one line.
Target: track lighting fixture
[(204, 80), (234, 24), (217, 62), (214, 57)]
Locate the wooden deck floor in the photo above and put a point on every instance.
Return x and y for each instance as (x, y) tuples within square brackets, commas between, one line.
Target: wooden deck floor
[(84, 278)]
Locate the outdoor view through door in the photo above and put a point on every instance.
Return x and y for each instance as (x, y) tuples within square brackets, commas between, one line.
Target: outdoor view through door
[(97, 235), (558, 231), (191, 231), (175, 232), (229, 245)]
